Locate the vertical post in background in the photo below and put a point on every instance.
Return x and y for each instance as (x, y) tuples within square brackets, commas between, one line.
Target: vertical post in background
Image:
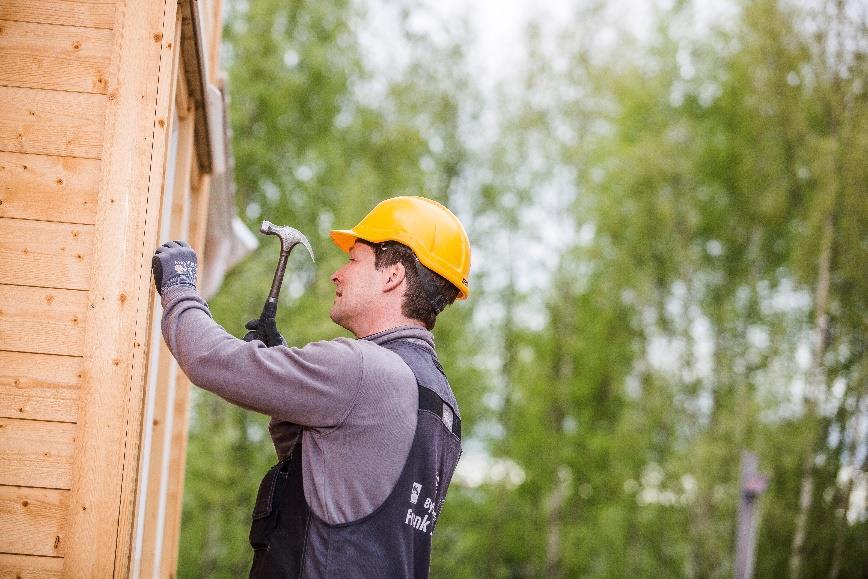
[(751, 484)]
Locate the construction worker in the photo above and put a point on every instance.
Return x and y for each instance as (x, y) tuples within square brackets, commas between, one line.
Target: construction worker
[(367, 431)]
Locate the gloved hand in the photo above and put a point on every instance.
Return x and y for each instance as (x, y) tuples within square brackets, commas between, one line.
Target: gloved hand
[(174, 264), (267, 334)]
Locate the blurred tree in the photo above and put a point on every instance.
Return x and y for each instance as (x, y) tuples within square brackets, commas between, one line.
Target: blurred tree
[(719, 184), (709, 168)]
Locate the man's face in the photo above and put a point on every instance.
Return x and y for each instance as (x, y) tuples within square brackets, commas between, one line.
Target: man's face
[(357, 289)]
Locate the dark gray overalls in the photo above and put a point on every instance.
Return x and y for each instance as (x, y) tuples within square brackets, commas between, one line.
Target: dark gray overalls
[(395, 539)]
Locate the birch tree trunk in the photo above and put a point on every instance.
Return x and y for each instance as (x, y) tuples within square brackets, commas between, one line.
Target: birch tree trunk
[(831, 57), (843, 496), (554, 506), (815, 386)]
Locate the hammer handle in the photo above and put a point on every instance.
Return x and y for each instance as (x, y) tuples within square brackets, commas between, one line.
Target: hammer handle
[(269, 310)]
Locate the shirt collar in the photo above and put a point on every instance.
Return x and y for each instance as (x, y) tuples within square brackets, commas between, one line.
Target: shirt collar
[(410, 333)]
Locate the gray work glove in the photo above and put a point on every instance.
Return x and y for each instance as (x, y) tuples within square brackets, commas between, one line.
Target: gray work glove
[(264, 331), (174, 264)]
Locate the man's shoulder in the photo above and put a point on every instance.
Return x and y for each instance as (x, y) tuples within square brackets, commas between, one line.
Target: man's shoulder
[(383, 360), (378, 362), (334, 347)]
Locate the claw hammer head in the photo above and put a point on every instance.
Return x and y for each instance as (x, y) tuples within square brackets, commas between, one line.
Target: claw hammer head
[(289, 237)]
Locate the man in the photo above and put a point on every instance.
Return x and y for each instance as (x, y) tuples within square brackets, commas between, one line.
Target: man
[(367, 431)]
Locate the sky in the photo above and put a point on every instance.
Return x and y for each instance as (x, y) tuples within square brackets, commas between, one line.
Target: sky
[(499, 24), (498, 28)]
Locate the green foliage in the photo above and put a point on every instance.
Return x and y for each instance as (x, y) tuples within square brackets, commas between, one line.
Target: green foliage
[(669, 268)]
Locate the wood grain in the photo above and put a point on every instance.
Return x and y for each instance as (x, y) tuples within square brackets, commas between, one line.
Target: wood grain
[(49, 188), (45, 254), (50, 122), (30, 566), (34, 453), (32, 521), (54, 57), (117, 336), (92, 13), (40, 386), (42, 321)]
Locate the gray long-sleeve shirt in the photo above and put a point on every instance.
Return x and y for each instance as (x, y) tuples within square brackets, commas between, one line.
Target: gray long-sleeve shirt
[(353, 401)]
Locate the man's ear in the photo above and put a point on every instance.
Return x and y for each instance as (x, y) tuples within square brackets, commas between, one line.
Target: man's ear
[(395, 275)]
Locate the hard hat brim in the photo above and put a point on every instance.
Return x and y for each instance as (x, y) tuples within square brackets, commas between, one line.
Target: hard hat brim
[(344, 238)]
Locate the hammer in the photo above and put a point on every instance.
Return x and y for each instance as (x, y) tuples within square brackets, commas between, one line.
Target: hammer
[(289, 238)]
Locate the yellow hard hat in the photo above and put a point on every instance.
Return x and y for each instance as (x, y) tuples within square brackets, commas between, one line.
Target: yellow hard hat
[(433, 232)]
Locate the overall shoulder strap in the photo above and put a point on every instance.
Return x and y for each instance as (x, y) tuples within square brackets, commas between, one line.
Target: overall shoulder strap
[(435, 394), (430, 401)]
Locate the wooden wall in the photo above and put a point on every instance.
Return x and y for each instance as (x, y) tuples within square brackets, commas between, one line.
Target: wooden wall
[(54, 71), (85, 95)]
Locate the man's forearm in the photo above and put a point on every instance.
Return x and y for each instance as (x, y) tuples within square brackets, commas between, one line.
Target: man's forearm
[(313, 386), (186, 335)]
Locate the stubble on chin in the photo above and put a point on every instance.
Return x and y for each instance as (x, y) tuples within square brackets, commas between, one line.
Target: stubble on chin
[(336, 316)]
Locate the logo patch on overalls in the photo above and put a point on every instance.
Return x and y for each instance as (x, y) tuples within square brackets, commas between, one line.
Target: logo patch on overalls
[(414, 492), (447, 417)]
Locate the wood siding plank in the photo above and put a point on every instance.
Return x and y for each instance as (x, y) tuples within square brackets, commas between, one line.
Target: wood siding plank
[(54, 57), (45, 254), (175, 484), (34, 453), (174, 222), (152, 473), (51, 122), (92, 13), (42, 321), (49, 188), (32, 521), (133, 172), (30, 566), (40, 386)]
